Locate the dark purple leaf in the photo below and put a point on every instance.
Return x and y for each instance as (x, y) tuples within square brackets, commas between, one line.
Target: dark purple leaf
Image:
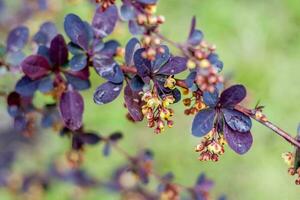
[(108, 69), (134, 28), (58, 51), (17, 39), (14, 99), (90, 138), (78, 62), (35, 67), (133, 103), (127, 12), (131, 47), (211, 99), (26, 87), (75, 28), (193, 26), (237, 120), (105, 22), (160, 59), (46, 33), (114, 137), (107, 92), (174, 66), (233, 95), (239, 142), (77, 82), (71, 107), (203, 122), (137, 83), (109, 49), (77, 143), (142, 65)]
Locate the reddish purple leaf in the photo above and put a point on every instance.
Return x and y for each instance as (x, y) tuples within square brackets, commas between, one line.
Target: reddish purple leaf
[(35, 66), (233, 95), (105, 22), (174, 66), (134, 103), (203, 122), (58, 51), (239, 142), (71, 108)]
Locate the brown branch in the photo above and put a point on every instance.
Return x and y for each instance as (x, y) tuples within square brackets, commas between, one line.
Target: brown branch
[(270, 125)]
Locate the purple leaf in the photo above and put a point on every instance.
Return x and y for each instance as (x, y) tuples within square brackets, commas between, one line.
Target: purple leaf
[(46, 33), (82, 74), (77, 82), (58, 51), (78, 62), (71, 107), (134, 28), (134, 103), (160, 59), (233, 95), (108, 69), (190, 79), (75, 28), (239, 142), (35, 67), (26, 87), (107, 92), (127, 12), (142, 65), (130, 49), (105, 22), (211, 99), (17, 39), (147, 1), (90, 138), (174, 66), (203, 122), (45, 84), (237, 121)]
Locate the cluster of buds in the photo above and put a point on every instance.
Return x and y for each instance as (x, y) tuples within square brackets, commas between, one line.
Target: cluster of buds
[(211, 147), (200, 55), (105, 3), (157, 112), (208, 80), (75, 158), (171, 192), (289, 159), (152, 45), (194, 103)]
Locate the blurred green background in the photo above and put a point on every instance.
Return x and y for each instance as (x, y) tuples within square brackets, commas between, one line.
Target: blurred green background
[(259, 43)]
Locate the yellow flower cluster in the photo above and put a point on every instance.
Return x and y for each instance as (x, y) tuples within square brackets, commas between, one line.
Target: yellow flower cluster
[(195, 103), (157, 112), (289, 159), (211, 147)]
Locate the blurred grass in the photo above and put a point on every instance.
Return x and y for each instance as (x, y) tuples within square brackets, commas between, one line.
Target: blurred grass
[(259, 42)]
